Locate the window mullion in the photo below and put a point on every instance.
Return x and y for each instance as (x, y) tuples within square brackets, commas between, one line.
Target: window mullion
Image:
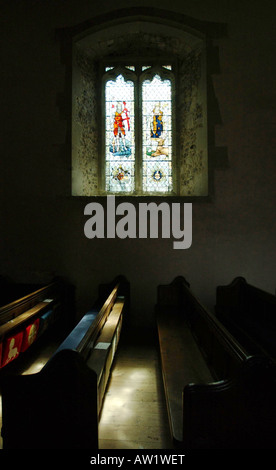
[(138, 133)]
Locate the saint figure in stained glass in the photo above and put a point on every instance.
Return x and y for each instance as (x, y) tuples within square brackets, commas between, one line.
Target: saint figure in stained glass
[(157, 122), (120, 146)]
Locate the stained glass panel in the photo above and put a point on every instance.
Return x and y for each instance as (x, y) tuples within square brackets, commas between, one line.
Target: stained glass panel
[(157, 135), (120, 138)]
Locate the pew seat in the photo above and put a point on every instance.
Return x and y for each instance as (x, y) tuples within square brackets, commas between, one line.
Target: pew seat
[(179, 350), (218, 395), (101, 357)]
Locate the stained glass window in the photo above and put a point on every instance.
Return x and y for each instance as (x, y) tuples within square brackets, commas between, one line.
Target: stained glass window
[(138, 159)]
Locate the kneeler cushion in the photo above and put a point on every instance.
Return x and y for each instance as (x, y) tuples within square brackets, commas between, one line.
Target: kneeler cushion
[(30, 335), (11, 348)]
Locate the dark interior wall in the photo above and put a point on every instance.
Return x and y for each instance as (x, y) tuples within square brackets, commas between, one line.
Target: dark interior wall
[(42, 226)]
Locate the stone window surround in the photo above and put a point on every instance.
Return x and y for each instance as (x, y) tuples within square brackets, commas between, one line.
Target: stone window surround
[(159, 32)]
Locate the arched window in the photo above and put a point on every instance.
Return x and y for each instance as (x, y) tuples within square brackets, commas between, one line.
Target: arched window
[(139, 107)]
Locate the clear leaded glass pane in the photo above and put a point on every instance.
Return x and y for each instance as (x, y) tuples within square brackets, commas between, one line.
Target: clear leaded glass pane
[(120, 138), (157, 135)]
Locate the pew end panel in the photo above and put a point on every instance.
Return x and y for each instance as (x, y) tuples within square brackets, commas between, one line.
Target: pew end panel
[(54, 409), (208, 417), (238, 413)]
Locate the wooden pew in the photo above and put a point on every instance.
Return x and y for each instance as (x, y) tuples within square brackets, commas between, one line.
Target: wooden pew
[(218, 395), (59, 407), (30, 311), (250, 314)]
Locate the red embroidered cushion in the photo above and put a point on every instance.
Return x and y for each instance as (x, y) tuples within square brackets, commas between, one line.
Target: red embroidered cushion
[(11, 348), (30, 335)]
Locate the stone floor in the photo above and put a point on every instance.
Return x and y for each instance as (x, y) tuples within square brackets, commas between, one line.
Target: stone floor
[(134, 412)]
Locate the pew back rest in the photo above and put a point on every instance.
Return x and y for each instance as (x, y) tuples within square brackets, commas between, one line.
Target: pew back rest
[(20, 305), (250, 312), (221, 351), (25, 319), (242, 299), (223, 354)]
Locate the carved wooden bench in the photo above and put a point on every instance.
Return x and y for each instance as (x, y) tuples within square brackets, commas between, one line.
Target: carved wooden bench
[(219, 396), (59, 407)]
